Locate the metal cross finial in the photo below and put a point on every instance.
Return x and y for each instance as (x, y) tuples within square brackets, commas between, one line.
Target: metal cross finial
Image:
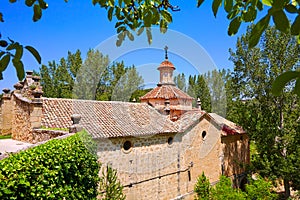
[(166, 50)]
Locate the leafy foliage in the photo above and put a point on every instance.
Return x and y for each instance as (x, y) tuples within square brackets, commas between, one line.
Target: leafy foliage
[(58, 169), (110, 186), (272, 122), (260, 189), (202, 188), (255, 189), (13, 51)]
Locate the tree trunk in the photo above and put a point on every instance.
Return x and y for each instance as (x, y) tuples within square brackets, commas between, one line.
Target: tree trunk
[(287, 188)]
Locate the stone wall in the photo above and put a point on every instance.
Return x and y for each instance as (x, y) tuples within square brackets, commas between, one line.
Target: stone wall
[(158, 168), (236, 154), (6, 114)]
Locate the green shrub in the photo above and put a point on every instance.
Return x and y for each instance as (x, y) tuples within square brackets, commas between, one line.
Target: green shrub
[(110, 186), (259, 189), (224, 190), (59, 169), (202, 188)]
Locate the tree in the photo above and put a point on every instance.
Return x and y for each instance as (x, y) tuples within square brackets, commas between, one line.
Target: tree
[(127, 85), (91, 75), (137, 16), (180, 81), (260, 189), (224, 190), (202, 188), (58, 79), (272, 122), (110, 186)]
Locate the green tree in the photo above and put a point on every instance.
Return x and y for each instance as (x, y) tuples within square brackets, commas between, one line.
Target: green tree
[(92, 73), (260, 189), (202, 188), (127, 85), (58, 79), (224, 190), (180, 81), (110, 186), (272, 122)]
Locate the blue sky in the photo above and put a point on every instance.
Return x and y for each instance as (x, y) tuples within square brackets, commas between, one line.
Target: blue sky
[(75, 25)]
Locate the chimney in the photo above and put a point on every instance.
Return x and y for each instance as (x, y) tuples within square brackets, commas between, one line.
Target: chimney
[(199, 103), (167, 106)]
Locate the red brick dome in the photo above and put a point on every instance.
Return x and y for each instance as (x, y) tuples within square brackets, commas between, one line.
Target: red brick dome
[(166, 63)]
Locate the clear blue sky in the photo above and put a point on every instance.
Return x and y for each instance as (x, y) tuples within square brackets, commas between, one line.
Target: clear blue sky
[(76, 25)]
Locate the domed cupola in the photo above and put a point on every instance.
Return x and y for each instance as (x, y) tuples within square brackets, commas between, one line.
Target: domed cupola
[(166, 69)]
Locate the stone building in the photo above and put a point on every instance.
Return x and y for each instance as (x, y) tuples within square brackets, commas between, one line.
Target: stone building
[(159, 147)]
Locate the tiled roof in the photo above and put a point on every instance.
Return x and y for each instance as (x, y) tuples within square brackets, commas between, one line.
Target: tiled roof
[(166, 92), (189, 118), (228, 127), (166, 63), (107, 119)]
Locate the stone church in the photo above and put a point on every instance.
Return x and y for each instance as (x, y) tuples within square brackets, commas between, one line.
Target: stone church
[(159, 146)]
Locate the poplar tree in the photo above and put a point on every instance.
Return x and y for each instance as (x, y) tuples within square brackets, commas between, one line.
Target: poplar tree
[(272, 122)]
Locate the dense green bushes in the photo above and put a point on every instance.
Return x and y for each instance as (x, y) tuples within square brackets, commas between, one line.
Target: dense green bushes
[(59, 169), (255, 190)]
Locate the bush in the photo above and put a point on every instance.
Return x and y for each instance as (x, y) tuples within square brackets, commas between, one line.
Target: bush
[(259, 189), (224, 190), (59, 169), (202, 188)]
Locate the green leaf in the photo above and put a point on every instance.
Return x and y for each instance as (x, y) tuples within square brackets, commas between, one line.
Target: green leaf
[(29, 3), (19, 68), (291, 8), (140, 31), (3, 43), (281, 21), (297, 87), (1, 17), (167, 16), (130, 36), (295, 28), (4, 62), (234, 26), (228, 4), (35, 53), (215, 6), (109, 13), (149, 35), (250, 15), (267, 2), (43, 4), (257, 30), (37, 12), (19, 52), (281, 81), (199, 3), (163, 26)]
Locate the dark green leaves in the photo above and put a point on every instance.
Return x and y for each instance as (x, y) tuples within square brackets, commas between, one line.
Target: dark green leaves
[(14, 51), (258, 29), (215, 6), (282, 80), (295, 28), (234, 26), (35, 53), (281, 21), (199, 3), (37, 13)]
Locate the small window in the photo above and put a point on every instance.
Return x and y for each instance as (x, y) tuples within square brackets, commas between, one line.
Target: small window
[(127, 145), (203, 134), (170, 140), (241, 138)]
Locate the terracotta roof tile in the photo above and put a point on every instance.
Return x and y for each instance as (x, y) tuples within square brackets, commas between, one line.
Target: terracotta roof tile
[(166, 92), (107, 119), (166, 63)]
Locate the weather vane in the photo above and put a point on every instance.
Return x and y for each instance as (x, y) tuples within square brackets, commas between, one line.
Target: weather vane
[(166, 51)]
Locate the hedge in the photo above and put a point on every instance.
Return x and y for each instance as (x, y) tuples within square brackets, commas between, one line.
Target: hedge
[(59, 169)]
